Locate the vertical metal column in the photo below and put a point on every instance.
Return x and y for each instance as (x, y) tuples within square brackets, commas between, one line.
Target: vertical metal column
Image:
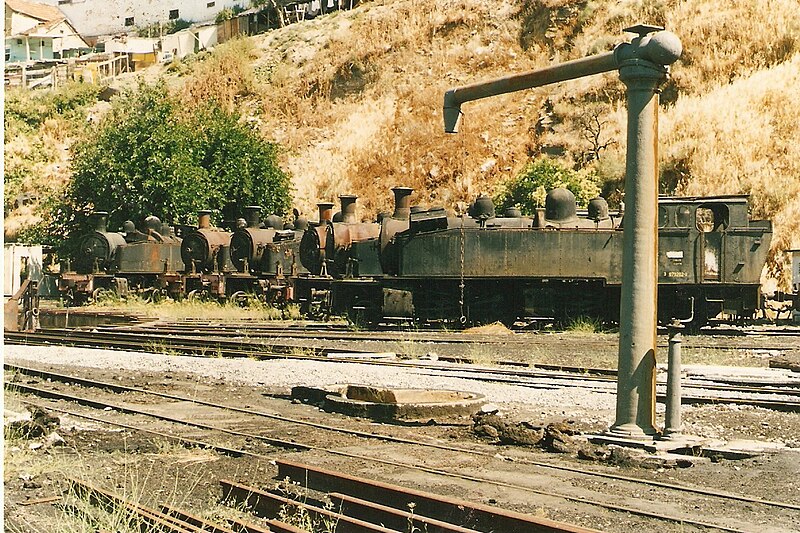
[(672, 419), (637, 343)]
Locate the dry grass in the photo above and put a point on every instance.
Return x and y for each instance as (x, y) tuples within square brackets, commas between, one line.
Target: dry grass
[(740, 138), (211, 310), (355, 98), (224, 77)]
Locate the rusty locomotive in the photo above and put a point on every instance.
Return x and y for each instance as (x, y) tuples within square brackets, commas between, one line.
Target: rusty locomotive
[(559, 264), (148, 261), (254, 259)]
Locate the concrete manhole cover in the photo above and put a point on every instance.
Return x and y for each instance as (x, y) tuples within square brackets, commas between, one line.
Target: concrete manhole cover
[(385, 403)]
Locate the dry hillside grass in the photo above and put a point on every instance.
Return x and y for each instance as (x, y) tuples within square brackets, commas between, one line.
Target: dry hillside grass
[(355, 98)]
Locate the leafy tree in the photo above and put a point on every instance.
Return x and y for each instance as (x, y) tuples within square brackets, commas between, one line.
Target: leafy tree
[(242, 163), (528, 190), (147, 157)]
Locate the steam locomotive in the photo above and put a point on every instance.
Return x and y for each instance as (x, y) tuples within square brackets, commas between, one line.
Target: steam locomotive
[(254, 259), (147, 261), (558, 264)]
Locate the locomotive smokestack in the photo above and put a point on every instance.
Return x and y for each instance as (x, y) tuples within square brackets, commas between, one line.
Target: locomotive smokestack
[(402, 202), (252, 214), (204, 219), (325, 211), (99, 221), (348, 208)]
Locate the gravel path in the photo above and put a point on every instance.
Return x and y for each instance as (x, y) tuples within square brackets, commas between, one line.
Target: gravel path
[(287, 373)]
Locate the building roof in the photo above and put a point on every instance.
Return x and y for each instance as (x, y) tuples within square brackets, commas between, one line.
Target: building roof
[(42, 12), (45, 27)]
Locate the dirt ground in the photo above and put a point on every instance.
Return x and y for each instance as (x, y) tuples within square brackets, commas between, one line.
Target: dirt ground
[(152, 470)]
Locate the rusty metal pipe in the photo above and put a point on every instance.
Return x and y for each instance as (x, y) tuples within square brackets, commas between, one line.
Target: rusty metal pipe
[(565, 71), (325, 211), (204, 219), (349, 208), (99, 221), (402, 202), (661, 47), (252, 214), (672, 419)]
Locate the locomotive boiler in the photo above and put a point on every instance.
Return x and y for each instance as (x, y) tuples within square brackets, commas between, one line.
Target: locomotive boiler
[(206, 256), (266, 256)]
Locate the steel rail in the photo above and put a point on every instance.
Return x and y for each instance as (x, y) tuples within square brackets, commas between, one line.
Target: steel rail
[(97, 404), (232, 330), (185, 346), (182, 441), (447, 447), (444, 473), (201, 345), (194, 345), (156, 519), (198, 343), (360, 493)]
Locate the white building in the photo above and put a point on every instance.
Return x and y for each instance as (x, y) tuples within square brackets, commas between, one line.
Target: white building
[(35, 31), (20, 261), (93, 18)]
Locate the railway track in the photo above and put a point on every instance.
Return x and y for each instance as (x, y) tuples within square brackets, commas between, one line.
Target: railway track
[(126, 399), (784, 339), (783, 396)]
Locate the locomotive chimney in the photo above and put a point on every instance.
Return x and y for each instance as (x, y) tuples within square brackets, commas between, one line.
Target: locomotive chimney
[(402, 202), (252, 214), (325, 211), (204, 219), (99, 221), (348, 208)]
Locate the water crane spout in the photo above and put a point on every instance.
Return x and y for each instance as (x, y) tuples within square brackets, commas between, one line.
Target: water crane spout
[(653, 45)]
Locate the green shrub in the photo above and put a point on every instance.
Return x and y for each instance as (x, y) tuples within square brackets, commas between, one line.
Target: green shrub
[(528, 190), (26, 110), (148, 157)]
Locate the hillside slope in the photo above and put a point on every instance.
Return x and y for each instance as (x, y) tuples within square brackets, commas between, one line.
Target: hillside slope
[(355, 98)]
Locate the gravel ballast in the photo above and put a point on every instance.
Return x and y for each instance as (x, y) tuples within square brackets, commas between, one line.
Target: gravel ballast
[(286, 373)]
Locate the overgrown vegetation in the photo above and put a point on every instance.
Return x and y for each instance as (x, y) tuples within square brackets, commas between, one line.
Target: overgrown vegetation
[(149, 157), (528, 190), (252, 308), (36, 125)]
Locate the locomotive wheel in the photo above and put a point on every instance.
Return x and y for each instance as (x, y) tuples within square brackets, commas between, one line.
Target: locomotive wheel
[(69, 298), (197, 295), (240, 298), (152, 295), (99, 294)]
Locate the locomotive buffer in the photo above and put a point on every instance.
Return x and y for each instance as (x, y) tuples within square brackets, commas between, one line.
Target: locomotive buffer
[(643, 66)]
